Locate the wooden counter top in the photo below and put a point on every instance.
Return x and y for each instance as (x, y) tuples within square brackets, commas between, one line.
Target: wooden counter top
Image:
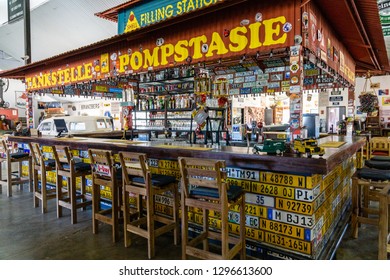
[(239, 157)]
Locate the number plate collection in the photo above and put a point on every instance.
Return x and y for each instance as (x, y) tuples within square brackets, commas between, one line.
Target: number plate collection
[(293, 212)]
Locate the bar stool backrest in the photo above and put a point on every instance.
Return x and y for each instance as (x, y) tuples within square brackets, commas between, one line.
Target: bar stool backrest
[(203, 174), (36, 153), (4, 149), (62, 155), (379, 146), (102, 164), (133, 165)]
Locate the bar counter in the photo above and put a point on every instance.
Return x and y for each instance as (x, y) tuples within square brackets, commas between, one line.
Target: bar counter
[(295, 207), (240, 157)]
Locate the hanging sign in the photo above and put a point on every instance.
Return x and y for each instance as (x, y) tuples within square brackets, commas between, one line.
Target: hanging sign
[(336, 98), (154, 11), (180, 46), (15, 10)]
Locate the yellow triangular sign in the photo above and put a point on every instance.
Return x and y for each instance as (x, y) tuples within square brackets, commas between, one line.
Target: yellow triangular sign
[(132, 23)]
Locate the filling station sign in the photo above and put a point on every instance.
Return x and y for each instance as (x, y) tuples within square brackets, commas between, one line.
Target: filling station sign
[(155, 11)]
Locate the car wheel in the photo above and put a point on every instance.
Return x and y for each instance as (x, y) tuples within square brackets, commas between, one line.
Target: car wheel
[(254, 150), (308, 155), (278, 152)]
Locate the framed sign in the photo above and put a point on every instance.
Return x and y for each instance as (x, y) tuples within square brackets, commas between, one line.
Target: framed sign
[(20, 99)]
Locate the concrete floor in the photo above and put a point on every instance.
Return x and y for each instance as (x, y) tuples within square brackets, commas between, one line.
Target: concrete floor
[(27, 234)]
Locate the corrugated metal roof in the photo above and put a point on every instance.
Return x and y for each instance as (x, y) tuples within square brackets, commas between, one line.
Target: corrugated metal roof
[(355, 22), (358, 26), (57, 26)]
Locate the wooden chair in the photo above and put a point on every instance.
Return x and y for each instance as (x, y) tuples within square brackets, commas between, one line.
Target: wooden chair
[(67, 166), (105, 174), (40, 167), (138, 180), (370, 202), (203, 185), (384, 203), (9, 156), (379, 146)]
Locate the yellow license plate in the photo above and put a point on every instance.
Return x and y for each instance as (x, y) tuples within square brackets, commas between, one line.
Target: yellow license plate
[(290, 180), (47, 149), (295, 206), (164, 199), (246, 185), (168, 164), (249, 232), (195, 218), (174, 173), (284, 229), (251, 209), (164, 209), (274, 190), (214, 223), (288, 242)]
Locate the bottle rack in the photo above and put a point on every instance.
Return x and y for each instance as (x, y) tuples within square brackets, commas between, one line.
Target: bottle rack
[(165, 105)]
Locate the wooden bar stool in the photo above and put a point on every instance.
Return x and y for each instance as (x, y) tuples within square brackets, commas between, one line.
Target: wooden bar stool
[(105, 174), (384, 203), (41, 166), (379, 146), (69, 167), (138, 180), (9, 156), (368, 185), (203, 185)]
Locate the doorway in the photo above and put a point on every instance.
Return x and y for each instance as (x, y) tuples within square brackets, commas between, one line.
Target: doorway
[(333, 116)]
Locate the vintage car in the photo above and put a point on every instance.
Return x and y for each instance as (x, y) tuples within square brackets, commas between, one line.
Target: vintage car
[(75, 125), (308, 146), (270, 146)]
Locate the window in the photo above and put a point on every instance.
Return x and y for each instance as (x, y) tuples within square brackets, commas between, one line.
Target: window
[(45, 126), (100, 123), (77, 126)]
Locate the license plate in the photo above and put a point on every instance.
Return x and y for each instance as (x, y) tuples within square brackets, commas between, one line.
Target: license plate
[(252, 221), (163, 200), (168, 164), (245, 174), (251, 209), (295, 206), (164, 209), (258, 199), (285, 229), (274, 190), (249, 232), (290, 180), (174, 173), (153, 162), (246, 185), (288, 242), (307, 194), (234, 217), (195, 218), (47, 149), (214, 223)]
